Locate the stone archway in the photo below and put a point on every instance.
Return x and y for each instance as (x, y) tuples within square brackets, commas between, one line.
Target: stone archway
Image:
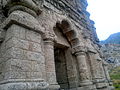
[(66, 38), (78, 49), (69, 40), (69, 32)]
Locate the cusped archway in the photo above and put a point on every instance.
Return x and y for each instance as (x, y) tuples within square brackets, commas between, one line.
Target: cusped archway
[(68, 30), (64, 58)]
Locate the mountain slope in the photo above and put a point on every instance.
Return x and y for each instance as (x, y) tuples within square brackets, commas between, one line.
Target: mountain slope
[(112, 39)]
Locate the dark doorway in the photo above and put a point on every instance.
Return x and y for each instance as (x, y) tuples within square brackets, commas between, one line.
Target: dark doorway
[(61, 68)]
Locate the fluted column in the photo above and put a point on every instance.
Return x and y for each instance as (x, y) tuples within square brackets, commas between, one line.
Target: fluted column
[(82, 64)]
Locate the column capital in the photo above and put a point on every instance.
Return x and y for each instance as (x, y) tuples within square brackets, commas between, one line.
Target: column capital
[(79, 50), (49, 36), (91, 50), (49, 41), (80, 53), (23, 5), (23, 19), (105, 63), (98, 58), (22, 13)]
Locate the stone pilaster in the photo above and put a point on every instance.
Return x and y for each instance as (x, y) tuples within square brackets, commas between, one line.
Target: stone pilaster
[(82, 65), (98, 75), (22, 59), (91, 55), (106, 71), (50, 64), (108, 80)]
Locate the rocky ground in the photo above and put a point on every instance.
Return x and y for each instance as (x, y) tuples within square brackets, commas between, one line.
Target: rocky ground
[(111, 49)]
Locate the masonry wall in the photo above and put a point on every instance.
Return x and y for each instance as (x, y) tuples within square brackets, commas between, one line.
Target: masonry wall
[(30, 33)]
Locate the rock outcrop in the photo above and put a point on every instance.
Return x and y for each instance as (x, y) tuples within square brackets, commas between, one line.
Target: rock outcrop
[(111, 50)]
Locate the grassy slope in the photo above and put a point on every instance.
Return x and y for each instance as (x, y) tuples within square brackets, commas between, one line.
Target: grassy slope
[(115, 76)]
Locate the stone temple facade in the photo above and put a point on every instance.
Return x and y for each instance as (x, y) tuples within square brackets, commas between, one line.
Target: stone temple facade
[(49, 45)]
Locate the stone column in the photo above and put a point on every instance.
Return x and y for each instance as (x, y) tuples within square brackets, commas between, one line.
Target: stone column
[(82, 64), (22, 60), (106, 71), (105, 66), (97, 69), (50, 64)]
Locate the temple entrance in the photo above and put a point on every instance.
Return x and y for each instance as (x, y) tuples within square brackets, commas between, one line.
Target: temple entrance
[(64, 61), (61, 68)]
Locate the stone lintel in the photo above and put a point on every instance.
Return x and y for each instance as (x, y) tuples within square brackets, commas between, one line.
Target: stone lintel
[(23, 19)]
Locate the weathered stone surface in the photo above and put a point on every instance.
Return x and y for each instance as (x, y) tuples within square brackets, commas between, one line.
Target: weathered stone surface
[(111, 54), (49, 45), (22, 84)]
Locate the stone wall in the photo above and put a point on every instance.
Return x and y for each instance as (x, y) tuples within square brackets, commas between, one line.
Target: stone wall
[(32, 31)]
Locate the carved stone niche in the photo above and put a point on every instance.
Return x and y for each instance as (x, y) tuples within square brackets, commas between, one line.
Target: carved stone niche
[(24, 5)]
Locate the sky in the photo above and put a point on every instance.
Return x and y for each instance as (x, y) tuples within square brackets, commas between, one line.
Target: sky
[(106, 15)]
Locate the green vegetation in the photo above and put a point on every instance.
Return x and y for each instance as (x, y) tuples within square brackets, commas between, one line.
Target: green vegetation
[(115, 76)]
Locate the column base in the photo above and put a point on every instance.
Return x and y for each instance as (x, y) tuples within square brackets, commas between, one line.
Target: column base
[(107, 88), (104, 86), (111, 88), (24, 84), (86, 83), (54, 87), (90, 87), (101, 85)]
